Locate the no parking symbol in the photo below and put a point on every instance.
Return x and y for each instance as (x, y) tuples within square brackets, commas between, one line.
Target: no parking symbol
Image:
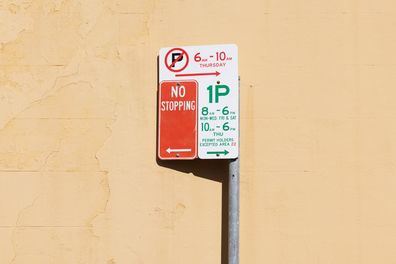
[(176, 60)]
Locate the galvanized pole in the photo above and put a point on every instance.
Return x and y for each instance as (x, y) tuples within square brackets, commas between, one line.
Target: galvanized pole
[(233, 204), (233, 212)]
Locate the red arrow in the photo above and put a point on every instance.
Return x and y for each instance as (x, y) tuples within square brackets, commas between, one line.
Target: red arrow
[(197, 74)]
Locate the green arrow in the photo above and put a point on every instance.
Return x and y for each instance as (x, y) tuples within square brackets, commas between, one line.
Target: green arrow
[(225, 152)]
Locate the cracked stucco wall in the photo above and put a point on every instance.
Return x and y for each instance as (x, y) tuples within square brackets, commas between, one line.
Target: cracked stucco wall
[(78, 178)]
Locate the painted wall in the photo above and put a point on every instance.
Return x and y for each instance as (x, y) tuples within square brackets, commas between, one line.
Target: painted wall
[(79, 181)]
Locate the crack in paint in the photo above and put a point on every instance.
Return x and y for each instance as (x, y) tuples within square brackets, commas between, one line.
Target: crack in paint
[(44, 96), (13, 239)]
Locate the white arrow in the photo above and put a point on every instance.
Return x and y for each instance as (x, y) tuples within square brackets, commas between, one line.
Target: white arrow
[(169, 150)]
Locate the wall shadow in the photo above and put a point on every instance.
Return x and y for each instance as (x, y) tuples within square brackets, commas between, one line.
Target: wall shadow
[(214, 170)]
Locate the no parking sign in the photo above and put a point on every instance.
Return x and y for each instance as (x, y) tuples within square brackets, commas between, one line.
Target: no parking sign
[(176, 56), (214, 69)]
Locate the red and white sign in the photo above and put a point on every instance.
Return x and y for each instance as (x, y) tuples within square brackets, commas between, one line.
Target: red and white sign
[(176, 56), (215, 69), (177, 119)]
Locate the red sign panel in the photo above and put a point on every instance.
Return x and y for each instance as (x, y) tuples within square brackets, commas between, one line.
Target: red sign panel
[(177, 120)]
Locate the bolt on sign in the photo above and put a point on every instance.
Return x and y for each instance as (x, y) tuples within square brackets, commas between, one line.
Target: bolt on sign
[(213, 70)]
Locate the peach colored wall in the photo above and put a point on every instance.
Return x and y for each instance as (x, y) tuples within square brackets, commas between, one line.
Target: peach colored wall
[(79, 182)]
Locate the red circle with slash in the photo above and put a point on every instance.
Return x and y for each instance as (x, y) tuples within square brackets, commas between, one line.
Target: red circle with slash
[(183, 53)]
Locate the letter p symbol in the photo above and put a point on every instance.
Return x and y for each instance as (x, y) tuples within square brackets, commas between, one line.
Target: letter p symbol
[(221, 90), (176, 56)]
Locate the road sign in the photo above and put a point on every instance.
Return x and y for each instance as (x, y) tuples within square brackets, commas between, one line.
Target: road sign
[(174, 56), (215, 69), (177, 119)]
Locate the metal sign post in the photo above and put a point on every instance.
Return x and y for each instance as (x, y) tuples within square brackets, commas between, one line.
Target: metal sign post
[(233, 212), (233, 204)]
